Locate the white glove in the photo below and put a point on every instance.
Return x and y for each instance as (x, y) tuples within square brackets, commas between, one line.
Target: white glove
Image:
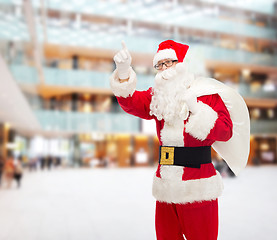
[(123, 62), (191, 100), (184, 112)]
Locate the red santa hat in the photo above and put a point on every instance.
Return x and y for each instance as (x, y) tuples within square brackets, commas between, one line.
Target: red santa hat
[(172, 50)]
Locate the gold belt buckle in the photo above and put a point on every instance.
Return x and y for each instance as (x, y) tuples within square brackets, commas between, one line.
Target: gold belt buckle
[(167, 155)]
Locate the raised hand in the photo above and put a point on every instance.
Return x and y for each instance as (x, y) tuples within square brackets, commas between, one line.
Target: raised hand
[(123, 61), (191, 101)]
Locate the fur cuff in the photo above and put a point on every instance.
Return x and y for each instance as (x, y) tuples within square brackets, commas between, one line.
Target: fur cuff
[(202, 122), (189, 191), (124, 89)]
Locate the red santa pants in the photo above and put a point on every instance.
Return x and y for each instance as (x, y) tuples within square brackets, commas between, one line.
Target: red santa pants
[(197, 221)]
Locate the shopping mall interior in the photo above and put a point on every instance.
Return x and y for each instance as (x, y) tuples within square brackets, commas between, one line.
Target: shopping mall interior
[(58, 113)]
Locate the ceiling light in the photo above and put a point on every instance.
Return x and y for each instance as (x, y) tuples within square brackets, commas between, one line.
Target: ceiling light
[(246, 72)]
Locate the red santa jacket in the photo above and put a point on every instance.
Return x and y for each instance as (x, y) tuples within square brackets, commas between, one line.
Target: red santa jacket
[(175, 184)]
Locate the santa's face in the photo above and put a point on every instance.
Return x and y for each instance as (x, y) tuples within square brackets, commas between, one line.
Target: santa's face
[(167, 100), (172, 75), (166, 74)]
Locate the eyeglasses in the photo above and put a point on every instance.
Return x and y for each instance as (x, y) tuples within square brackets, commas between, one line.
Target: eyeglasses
[(167, 63)]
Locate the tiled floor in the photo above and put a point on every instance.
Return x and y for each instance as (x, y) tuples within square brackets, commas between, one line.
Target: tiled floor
[(82, 204)]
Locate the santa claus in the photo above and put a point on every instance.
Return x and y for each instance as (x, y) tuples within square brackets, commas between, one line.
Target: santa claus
[(192, 114)]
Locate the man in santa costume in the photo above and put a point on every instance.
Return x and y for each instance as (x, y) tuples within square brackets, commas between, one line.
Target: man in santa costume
[(192, 114)]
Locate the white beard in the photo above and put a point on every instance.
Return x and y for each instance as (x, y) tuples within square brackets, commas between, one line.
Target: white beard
[(167, 100)]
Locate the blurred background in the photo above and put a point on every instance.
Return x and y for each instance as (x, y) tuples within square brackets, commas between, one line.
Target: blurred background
[(57, 111)]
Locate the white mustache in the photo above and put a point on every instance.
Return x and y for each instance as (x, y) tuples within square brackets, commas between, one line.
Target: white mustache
[(168, 73)]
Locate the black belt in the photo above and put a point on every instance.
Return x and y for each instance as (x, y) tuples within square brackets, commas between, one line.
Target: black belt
[(185, 156)]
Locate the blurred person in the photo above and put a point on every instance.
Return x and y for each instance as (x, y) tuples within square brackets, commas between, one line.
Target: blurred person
[(32, 164), (35, 162), (9, 172), (49, 162), (58, 161), (75, 62), (18, 172), (43, 161), (192, 114), (106, 161)]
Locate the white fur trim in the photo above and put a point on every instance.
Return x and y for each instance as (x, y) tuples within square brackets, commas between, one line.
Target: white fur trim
[(172, 135), (164, 54), (124, 89), (200, 123), (173, 190)]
